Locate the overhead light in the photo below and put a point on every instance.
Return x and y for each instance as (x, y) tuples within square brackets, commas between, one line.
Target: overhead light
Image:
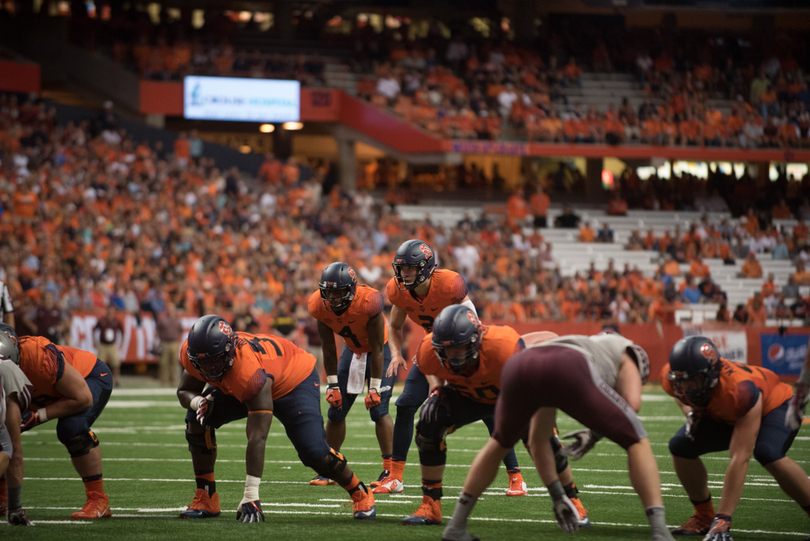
[(267, 128), (245, 149), (293, 125)]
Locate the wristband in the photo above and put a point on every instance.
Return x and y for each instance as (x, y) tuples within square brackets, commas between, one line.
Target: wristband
[(556, 490), (195, 402), (252, 488), (727, 518), (332, 380), (14, 497), (43, 415), (804, 377), (374, 383)]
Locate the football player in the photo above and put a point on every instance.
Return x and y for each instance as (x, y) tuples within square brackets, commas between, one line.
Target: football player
[(16, 389), (254, 376), (420, 291), (355, 313), (469, 356), (604, 373), (72, 386), (729, 406)]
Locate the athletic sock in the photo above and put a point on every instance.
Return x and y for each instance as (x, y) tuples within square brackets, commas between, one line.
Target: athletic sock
[(94, 483), (704, 508), (387, 463), (658, 523), (397, 469), (205, 481), (432, 488), (571, 490)]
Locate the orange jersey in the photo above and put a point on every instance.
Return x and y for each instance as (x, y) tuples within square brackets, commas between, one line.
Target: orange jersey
[(352, 324), (498, 344), (258, 357), (738, 389), (446, 288), (44, 363)]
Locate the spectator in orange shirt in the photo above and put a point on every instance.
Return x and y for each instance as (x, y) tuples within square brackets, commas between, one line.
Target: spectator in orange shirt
[(617, 206), (801, 275), (752, 222), (539, 203), (751, 268), (781, 211), (671, 267), (757, 313), (517, 208), (182, 149), (769, 288), (586, 233), (572, 73), (698, 268), (650, 240)]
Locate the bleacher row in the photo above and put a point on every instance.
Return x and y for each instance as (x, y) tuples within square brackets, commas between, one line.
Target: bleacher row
[(573, 256)]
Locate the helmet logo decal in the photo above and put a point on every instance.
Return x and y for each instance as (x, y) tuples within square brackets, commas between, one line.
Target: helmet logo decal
[(13, 338), (225, 329), (426, 250), (352, 273), (709, 352), (472, 317)]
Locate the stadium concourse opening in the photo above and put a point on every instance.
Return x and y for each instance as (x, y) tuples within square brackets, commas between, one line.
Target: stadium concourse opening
[(578, 166)]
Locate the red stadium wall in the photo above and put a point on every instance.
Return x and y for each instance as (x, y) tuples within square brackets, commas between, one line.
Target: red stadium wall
[(19, 77), (656, 340)]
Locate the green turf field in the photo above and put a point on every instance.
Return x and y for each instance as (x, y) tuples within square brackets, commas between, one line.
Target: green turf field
[(148, 476)]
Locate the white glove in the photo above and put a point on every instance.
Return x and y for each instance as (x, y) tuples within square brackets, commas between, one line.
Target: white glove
[(584, 440), (795, 412), (564, 511)]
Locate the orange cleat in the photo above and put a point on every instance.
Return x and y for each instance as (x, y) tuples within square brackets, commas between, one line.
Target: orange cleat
[(517, 487), (696, 525), (202, 506), (389, 485), (429, 513), (97, 506), (364, 507)]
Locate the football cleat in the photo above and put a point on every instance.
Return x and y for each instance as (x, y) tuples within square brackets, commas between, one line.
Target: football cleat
[(429, 513), (322, 481), (389, 485), (97, 506), (517, 487), (364, 508), (584, 521), (380, 479), (202, 506), (696, 525)]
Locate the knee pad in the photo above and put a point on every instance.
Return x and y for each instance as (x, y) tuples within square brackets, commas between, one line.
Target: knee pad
[(202, 443), (332, 465), (336, 415), (378, 412), (766, 454), (560, 461), (682, 447), (406, 408), (82, 444), (432, 450)]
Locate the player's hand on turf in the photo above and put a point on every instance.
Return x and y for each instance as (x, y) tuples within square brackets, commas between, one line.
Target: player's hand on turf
[(430, 410), (333, 395), (394, 365), (720, 530), (250, 511), (566, 514), (795, 412), (16, 517), (29, 420), (692, 420), (204, 410), (372, 398), (584, 440)]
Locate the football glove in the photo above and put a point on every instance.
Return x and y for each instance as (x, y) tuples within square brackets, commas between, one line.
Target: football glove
[(16, 517), (333, 395), (566, 514), (29, 420), (795, 412), (204, 410), (430, 410), (692, 420), (584, 440), (720, 530), (250, 511), (372, 399)]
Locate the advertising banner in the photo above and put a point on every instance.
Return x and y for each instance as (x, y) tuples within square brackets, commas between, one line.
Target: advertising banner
[(732, 344), (243, 100), (783, 354)]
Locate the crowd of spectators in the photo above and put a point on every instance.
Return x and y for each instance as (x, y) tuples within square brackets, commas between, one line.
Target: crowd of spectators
[(91, 218)]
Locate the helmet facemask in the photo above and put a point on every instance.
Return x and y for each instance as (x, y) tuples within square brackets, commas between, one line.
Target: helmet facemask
[(694, 389), (464, 364), (336, 299), (215, 367)]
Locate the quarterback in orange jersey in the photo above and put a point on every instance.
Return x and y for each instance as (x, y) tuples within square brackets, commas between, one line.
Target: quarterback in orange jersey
[(418, 291), (254, 376), (72, 386), (354, 312), (468, 356), (729, 406)]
